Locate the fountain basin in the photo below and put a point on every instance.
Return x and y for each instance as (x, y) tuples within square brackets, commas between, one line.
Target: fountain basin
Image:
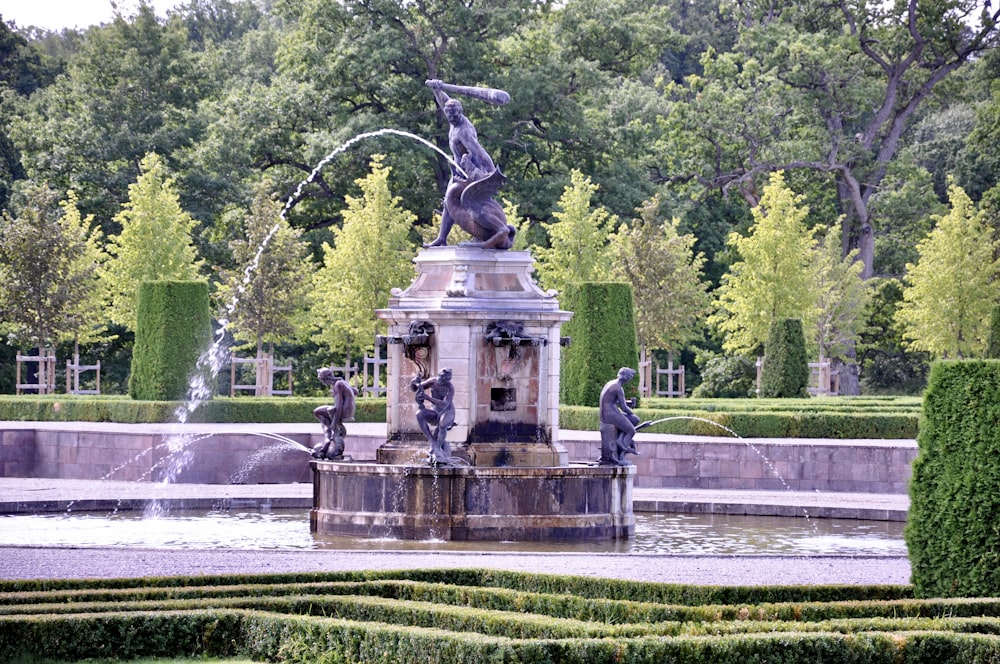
[(469, 503)]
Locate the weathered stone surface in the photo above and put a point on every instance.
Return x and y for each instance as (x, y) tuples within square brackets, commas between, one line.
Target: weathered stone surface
[(506, 386), (574, 502)]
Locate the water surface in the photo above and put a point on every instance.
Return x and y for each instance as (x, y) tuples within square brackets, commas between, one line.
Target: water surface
[(668, 534)]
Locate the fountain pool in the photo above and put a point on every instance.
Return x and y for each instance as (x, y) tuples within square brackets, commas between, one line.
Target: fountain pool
[(668, 534)]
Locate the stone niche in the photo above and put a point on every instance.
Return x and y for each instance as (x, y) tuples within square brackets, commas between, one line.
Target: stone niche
[(479, 313)]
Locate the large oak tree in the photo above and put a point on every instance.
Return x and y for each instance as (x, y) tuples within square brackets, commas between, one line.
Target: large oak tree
[(825, 86)]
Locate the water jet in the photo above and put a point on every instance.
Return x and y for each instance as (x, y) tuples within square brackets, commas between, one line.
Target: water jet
[(474, 317)]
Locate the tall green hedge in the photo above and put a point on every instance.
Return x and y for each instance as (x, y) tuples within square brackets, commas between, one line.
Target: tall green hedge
[(785, 373), (952, 531), (174, 327), (603, 340)]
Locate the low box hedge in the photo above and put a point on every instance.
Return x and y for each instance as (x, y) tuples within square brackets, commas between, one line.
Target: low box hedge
[(758, 424), (438, 616), (224, 410)]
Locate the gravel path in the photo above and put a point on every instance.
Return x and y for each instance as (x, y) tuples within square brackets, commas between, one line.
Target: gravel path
[(32, 563)]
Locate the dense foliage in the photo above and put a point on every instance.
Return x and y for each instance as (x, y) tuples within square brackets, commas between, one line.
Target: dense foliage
[(602, 340), (173, 326), (466, 615), (691, 106), (951, 532)]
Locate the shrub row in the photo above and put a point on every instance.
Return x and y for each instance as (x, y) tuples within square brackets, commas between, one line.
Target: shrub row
[(755, 420), (811, 405), (62, 408), (80, 590), (484, 616), (761, 424)]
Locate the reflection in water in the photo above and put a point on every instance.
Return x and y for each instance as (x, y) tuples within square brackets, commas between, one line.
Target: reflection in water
[(667, 534)]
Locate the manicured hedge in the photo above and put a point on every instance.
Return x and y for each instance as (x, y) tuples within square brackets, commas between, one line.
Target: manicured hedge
[(759, 424), (438, 616), (748, 418), (602, 333), (785, 369), (865, 404), (174, 327), (64, 408), (952, 532)]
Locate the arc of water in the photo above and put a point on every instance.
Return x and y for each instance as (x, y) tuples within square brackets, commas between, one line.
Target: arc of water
[(211, 361), (647, 424), (763, 457), (344, 146)]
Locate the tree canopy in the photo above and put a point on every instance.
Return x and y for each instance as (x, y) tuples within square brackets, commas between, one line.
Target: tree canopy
[(48, 264), (372, 254), (951, 290), (868, 109), (773, 279), (670, 293), (154, 243)]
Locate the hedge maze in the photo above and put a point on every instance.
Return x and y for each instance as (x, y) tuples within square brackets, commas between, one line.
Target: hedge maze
[(485, 616)]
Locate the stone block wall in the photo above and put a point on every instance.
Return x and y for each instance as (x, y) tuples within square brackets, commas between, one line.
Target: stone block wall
[(690, 462), (17, 453), (138, 453)]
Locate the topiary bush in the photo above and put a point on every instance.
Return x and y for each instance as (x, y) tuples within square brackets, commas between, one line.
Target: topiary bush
[(173, 328), (603, 340), (785, 372), (952, 533)]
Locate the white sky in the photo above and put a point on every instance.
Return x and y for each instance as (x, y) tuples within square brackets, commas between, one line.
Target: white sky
[(59, 14)]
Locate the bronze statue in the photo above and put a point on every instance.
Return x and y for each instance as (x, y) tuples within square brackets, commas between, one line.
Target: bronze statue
[(441, 396), (468, 200), (617, 421), (332, 417)]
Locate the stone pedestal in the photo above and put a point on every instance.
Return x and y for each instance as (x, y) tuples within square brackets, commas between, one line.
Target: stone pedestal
[(478, 313), (473, 504)]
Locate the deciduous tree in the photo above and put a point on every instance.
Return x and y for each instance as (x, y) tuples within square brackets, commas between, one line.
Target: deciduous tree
[(154, 243), (48, 265), (671, 298), (951, 290), (774, 277), (578, 238), (842, 300), (265, 296), (825, 86), (130, 90), (371, 254)]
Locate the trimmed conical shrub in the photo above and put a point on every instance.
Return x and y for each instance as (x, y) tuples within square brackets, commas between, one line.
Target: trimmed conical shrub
[(951, 531), (993, 345)]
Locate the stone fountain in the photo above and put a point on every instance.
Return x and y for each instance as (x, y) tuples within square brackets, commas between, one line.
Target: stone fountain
[(477, 312), (474, 310)]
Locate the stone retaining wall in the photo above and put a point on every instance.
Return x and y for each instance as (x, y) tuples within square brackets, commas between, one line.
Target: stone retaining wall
[(804, 464), (222, 458), (137, 453)]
